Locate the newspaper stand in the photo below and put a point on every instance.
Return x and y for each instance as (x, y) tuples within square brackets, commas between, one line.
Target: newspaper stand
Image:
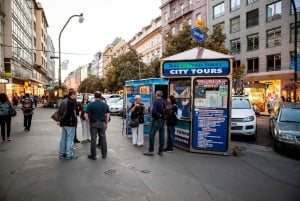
[(146, 88), (201, 81)]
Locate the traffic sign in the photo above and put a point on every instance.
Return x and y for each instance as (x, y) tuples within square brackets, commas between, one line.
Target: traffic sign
[(197, 34)]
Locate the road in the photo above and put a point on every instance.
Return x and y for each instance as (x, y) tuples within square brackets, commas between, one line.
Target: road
[(30, 170)]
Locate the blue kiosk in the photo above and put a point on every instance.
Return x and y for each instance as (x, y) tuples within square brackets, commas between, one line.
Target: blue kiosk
[(146, 88), (200, 80)]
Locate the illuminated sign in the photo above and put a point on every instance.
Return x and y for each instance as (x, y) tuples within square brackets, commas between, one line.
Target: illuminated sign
[(196, 68)]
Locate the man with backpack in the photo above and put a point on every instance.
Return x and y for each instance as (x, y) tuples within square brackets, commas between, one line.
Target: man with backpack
[(27, 107), (157, 124)]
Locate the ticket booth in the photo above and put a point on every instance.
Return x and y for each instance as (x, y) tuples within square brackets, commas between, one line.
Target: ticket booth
[(200, 80), (146, 88)]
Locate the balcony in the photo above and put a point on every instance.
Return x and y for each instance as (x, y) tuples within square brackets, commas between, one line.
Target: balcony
[(180, 13)]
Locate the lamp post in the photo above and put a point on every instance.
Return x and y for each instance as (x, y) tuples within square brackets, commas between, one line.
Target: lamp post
[(59, 49), (139, 65)]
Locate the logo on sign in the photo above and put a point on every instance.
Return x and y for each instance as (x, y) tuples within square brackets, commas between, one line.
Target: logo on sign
[(197, 34), (179, 88)]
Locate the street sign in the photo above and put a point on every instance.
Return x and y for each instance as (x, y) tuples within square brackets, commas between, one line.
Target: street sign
[(200, 23), (197, 34)]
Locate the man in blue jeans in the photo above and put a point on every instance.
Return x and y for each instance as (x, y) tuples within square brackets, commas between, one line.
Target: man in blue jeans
[(68, 122), (157, 124), (97, 113)]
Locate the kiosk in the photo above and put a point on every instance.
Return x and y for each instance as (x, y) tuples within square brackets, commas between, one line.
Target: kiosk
[(146, 88), (200, 80)]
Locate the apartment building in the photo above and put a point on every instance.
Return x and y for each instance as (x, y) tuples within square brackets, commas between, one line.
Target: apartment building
[(25, 47), (148, 42), (175, 13), (2, 74), (260, 35)]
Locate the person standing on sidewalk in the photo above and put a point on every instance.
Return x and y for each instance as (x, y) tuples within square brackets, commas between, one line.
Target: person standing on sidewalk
[(86, 136), (157, 124), (27, 107), (137, 110), (68, 121), (97, 114), (171, 111), (5, 118)]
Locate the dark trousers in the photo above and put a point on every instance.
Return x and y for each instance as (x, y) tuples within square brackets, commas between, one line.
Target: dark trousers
[(157, 125), (98, 128), (5, 121), (27, 120)]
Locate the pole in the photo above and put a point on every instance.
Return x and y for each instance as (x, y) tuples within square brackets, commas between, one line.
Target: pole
[(295, 51), (59, 47)]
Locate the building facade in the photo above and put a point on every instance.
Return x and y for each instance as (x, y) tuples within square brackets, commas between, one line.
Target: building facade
[(148, 42), (25, 47), (260, 35)]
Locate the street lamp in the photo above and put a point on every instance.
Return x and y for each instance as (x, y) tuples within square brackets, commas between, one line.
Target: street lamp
[(59, 52), (137, 54)]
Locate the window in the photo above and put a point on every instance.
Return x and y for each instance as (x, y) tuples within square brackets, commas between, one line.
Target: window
[(274, 62), (199, 16), (252, 18), (181, 26), (292, 32), (252, 65), (252, 42), (274, 11), (235, 25), (236, 63), (297, 4), (235, 46), (165, 16), (218, 10), (249, 2), (173, 31), (274, 37), (189, 21), (235, 5), (190, 2)]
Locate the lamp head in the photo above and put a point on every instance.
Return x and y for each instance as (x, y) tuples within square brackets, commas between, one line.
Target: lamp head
[(81, 18)]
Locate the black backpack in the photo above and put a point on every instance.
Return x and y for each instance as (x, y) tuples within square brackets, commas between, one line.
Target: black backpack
[(27, 105)]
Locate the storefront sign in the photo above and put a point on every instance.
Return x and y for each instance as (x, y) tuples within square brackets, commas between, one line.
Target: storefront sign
[(196, 68)]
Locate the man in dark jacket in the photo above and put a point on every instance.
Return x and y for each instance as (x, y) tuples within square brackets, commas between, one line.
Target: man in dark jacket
[(97, 113), (68, 122), (27, 108)]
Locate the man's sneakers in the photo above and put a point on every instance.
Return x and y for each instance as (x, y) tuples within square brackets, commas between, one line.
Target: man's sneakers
[(71, 157), (167, 149), (148, 153), (92, 157)]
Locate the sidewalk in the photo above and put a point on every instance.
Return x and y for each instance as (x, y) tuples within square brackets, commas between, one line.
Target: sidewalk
[(30, 170)]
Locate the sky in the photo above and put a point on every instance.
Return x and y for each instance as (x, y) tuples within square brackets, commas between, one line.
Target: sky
[(104, 20)]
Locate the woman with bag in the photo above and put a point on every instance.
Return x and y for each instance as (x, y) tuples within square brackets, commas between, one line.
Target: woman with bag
[(86, 136), (137, 110), (5, 117), (171, 122)]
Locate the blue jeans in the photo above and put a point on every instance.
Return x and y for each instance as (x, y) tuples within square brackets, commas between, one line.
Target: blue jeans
[(171, 136), (98, 128), (67, 141), (157, 125)]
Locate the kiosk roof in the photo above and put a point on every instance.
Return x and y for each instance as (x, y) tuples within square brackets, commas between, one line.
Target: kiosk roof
[(197, 53)]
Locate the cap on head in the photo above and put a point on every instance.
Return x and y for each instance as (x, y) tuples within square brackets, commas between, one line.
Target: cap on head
[(159, 93), (137, 97)]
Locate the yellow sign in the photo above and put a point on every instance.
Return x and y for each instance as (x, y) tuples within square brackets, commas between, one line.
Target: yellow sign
[(200, 23)]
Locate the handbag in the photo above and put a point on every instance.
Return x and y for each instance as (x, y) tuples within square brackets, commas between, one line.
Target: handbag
[(12, 111), (134, 123), (55, 116)]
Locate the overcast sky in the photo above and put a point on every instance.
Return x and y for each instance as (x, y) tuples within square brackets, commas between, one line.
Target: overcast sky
[(103, 22)]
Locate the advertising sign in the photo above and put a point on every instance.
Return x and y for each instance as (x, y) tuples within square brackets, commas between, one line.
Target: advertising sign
[(211, 115), (196, 68)]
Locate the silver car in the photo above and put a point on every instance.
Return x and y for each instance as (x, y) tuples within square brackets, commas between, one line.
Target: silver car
[(284, 126)]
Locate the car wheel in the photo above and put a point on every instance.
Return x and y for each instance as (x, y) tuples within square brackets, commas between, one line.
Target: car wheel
[(254, 136)]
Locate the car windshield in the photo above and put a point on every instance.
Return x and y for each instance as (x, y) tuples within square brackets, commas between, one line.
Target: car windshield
[(241, 103), (113, 100), (290, 115)]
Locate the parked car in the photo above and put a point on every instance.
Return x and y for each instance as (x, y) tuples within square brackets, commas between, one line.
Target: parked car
[(112, 101), (108, 96), (284, 126), (243, 118), (117, 107)]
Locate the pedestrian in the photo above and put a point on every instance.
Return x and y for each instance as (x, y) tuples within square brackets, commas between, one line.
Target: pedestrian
[(15, 100), (97, 114), (157, 124), (68, 121), (137, 110), (27, 108), (5, 118), (86, 137), (171, 111)]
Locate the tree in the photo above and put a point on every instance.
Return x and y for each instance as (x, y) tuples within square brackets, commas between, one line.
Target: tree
[(91, 84), (184, 40), (153, 69)]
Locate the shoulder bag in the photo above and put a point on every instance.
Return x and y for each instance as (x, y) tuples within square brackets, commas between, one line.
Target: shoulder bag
[(12, 111)]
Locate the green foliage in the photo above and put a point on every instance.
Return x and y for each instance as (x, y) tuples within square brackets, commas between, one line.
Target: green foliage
[(91, 84), (238, 72)]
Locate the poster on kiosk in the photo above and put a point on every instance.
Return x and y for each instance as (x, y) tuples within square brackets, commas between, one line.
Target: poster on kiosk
[(200, 81)]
